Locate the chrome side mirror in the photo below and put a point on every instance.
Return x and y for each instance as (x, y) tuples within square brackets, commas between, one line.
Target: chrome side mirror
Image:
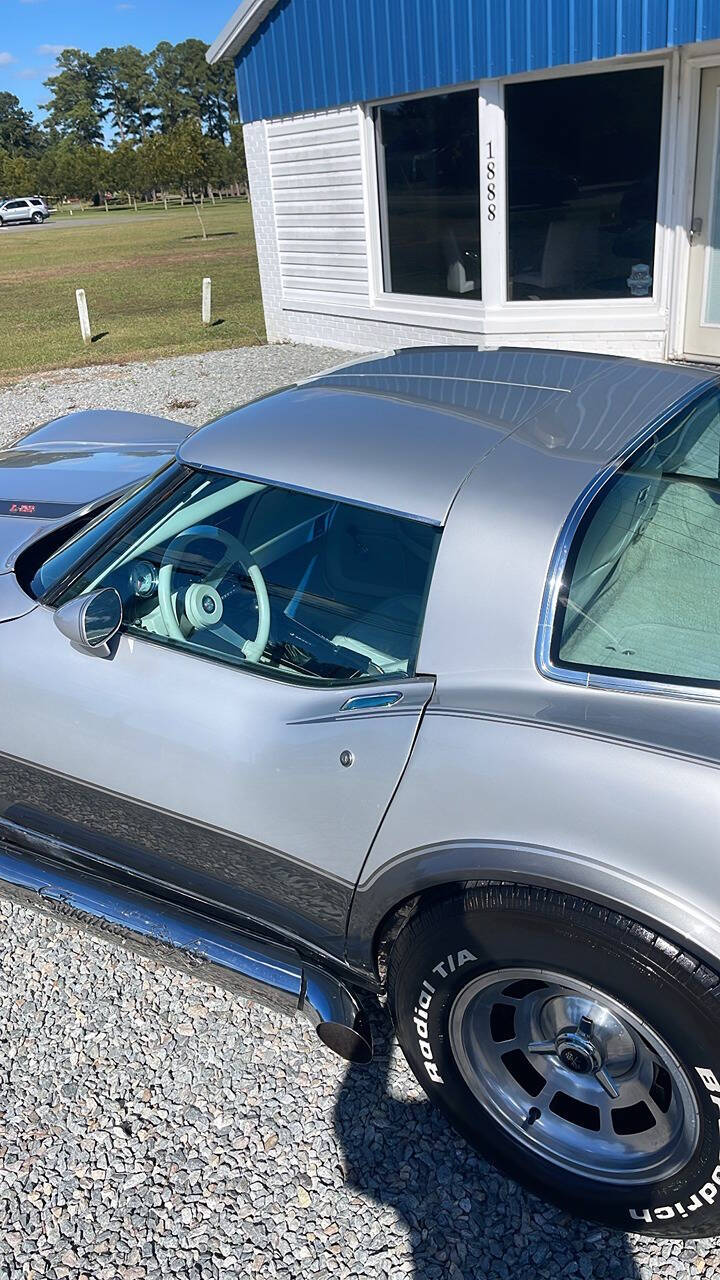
[(91, 621)]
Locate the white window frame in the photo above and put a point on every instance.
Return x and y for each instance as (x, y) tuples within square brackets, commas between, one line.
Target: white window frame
[(689, 76), (494, 314)]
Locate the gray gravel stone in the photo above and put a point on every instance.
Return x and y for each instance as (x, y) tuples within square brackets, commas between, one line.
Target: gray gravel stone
[(189, 389), (151, 1126)]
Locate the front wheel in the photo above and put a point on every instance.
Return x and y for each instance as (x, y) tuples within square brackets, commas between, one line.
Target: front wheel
[(576, 1049)]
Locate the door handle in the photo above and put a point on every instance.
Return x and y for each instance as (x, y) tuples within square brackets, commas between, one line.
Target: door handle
[(371, 701), (696, 227)]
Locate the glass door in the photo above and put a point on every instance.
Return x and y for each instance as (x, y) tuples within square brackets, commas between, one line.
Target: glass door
[(702, 325)]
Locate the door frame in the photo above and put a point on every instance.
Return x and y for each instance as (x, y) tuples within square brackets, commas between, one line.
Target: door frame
[(686, 141)]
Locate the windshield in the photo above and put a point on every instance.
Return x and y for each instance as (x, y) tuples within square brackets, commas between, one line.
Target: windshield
[(73, 553)]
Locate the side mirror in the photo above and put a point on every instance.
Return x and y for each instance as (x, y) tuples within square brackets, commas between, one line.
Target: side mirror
[(91, 621)]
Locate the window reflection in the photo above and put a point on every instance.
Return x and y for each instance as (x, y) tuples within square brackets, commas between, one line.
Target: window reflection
[(583, 160), (429, 166)]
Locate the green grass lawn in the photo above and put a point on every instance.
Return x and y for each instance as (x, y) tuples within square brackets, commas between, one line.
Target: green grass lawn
[(143, 282)]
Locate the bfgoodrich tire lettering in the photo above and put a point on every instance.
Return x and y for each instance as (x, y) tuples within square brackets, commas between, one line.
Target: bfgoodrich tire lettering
[(656, 1170)]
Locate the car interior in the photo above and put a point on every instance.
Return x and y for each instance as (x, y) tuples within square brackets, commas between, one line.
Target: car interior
[(644, 590), (327, 589)]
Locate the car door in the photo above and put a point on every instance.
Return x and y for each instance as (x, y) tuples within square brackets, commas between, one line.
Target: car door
[(247, 784), (15, 211)]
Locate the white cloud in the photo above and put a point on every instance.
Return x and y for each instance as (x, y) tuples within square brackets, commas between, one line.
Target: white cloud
[(29, 73), (123, 8), (6, 58), (51, 50)]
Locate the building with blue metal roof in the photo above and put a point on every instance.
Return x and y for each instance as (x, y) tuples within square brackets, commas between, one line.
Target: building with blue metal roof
[(492, 172)]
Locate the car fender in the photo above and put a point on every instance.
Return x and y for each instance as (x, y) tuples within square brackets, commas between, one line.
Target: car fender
[(418, 871), (14, 603), (624, 826)]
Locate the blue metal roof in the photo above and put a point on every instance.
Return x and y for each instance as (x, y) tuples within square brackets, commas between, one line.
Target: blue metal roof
[(312, 54)]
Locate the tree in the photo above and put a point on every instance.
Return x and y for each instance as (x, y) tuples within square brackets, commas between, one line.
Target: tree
[(19, 135), (187, 88), (221, 111), (237, 163), (72, 169), (127, 88), (75, 107), (124, 169), (156, 163), (174, 118), (18, 174), (187, 154), (169, 95)]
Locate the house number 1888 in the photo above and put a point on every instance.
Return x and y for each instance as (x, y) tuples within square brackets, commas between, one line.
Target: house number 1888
[(490, 188)]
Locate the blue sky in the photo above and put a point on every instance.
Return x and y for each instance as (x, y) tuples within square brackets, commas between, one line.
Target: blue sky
[(32, 32)]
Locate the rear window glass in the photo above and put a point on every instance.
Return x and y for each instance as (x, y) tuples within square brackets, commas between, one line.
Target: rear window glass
[(641, 590)]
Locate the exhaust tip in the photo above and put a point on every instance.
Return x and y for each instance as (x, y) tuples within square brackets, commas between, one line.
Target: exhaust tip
[(337, 1017), (351, 1043)]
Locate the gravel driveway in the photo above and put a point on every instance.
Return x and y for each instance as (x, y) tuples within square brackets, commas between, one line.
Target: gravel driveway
[(151, 1126)]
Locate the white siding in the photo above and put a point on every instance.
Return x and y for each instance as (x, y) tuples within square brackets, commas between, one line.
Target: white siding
[(312, 233), (316, 175)]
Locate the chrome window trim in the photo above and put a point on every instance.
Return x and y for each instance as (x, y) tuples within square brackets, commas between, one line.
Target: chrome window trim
[(558, 562)]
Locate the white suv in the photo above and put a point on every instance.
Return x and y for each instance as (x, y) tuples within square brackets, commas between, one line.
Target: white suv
[(31, 209)]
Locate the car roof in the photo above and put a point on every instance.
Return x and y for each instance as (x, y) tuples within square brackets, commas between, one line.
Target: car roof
[(403, 431)]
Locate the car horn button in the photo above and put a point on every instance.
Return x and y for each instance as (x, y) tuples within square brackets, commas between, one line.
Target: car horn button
[(203, 605)]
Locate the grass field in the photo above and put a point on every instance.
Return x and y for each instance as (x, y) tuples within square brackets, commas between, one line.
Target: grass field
[(143, 279)]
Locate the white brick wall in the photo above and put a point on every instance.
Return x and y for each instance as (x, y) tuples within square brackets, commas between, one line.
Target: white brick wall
[(263, 211), (369, 335), (363, 332)]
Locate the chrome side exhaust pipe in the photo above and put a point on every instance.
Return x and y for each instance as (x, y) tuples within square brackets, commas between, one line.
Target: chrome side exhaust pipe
[(336, 1016), (272, 974)]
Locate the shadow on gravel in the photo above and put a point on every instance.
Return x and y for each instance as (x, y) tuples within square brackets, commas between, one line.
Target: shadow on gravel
[(465, 1219)]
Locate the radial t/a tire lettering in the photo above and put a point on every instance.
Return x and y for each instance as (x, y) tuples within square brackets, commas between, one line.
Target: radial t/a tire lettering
[(577, 1049)]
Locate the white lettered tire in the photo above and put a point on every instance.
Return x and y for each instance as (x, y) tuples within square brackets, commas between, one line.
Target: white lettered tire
[(577, 1049)]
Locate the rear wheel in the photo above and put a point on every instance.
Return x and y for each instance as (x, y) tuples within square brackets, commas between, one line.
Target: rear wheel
[(36, 218), (577, 1049)]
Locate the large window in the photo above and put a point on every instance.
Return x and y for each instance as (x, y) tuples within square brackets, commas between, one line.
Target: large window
[(428, 156), (295, 585), (583, 157), (641, 595)]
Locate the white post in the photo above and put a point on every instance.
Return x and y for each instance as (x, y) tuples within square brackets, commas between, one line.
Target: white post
[(82, 307), (206, 300)]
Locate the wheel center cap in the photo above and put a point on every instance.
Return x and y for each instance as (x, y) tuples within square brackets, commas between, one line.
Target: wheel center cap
[(576, 1060), (578, 1053)]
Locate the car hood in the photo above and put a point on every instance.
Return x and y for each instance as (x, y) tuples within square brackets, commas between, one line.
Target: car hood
[(71, 464)]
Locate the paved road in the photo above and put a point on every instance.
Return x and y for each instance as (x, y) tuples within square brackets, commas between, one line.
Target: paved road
[(87, 220), (153, 1127)]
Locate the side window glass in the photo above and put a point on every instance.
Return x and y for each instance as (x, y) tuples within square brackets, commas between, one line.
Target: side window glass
[(641, 595), (307, 587)]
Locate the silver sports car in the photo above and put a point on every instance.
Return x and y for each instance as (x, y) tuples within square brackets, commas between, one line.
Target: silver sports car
[(405, 680)]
